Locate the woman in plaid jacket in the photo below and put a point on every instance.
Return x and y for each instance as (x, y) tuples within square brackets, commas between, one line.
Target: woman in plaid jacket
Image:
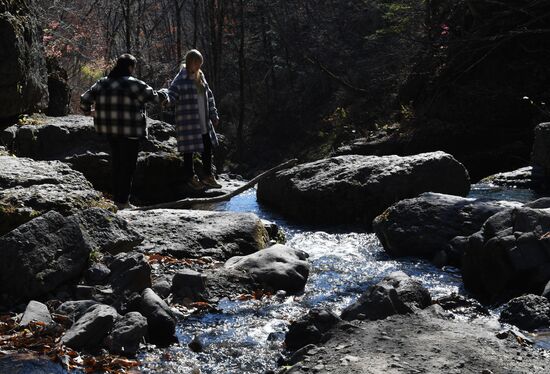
[(119, 102), (196, 116)]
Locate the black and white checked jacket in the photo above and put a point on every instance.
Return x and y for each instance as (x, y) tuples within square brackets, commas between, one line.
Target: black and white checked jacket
[(120, 105)]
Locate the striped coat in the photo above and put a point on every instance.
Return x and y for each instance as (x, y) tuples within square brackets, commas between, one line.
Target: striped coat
[(184, 95)]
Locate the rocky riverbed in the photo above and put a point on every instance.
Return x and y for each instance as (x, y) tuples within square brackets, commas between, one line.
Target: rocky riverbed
[(239, 287)]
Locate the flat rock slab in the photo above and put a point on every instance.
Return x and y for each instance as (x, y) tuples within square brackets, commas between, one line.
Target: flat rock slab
[(425, 225), (420, 344), (195, 233), (30, 188), (357, 188), (527, 177)]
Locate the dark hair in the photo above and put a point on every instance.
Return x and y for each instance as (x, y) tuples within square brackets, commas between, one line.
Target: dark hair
[(122, 66)]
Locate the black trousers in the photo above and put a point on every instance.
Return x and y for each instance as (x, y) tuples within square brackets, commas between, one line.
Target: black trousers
[(188, 167), (124, 152)]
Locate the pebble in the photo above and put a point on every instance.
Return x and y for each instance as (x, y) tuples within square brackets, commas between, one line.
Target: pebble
[(319, 367)]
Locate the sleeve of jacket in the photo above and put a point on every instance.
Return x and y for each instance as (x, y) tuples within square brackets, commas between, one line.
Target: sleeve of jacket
[(88, 97), (173, 92), (213, 111), (148, 94)]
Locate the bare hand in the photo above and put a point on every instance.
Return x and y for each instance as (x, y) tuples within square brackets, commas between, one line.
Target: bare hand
[(215, 122)]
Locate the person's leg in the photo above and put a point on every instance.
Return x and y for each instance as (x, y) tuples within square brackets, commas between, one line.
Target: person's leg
[(208, 179), (114, 143), (188, 169), (191, 180), (207, 155), (128, 159)]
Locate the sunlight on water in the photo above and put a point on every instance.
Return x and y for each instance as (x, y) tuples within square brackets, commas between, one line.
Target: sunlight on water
[(247, 336)]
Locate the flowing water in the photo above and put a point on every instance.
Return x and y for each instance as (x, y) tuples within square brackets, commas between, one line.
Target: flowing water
[(247, 336)]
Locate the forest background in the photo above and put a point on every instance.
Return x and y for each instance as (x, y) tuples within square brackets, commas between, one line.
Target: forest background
[(304, 78)]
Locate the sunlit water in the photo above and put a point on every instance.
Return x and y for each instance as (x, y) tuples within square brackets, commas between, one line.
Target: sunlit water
[(247, 336)]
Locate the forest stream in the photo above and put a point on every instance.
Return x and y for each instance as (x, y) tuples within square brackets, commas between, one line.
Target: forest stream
[(247, 336)]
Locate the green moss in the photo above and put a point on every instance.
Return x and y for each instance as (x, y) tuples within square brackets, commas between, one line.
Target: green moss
[(104, 204), (11, 216), (281, 237), (95, 256), (33, 120)]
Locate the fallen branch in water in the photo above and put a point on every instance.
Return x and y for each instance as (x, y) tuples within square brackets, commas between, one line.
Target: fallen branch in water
[(190, 202)]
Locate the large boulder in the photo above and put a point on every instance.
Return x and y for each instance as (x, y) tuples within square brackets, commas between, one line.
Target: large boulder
[(509, 256), (357, 188), (528, 312), (41, 255), (90, 329), (30, 188), (395, 294), (59, 138), (22, 64), (424, 226), (276, 268), (52, 250), (195, 233)]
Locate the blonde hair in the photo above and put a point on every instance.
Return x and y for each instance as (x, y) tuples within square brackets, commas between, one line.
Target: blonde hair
[(195, 55)]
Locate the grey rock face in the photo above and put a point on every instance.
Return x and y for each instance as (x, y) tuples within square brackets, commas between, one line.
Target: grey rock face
[(29, 188), (160, 318), (73, 139), (357, 188), (107, 232), (425, 225), (509, 256), (130, 272), (37, 312), (90, 329), (194, 233), (395, 294), (127, 333), (23, 67), (278, 267), (527, 312), (41, 255)]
